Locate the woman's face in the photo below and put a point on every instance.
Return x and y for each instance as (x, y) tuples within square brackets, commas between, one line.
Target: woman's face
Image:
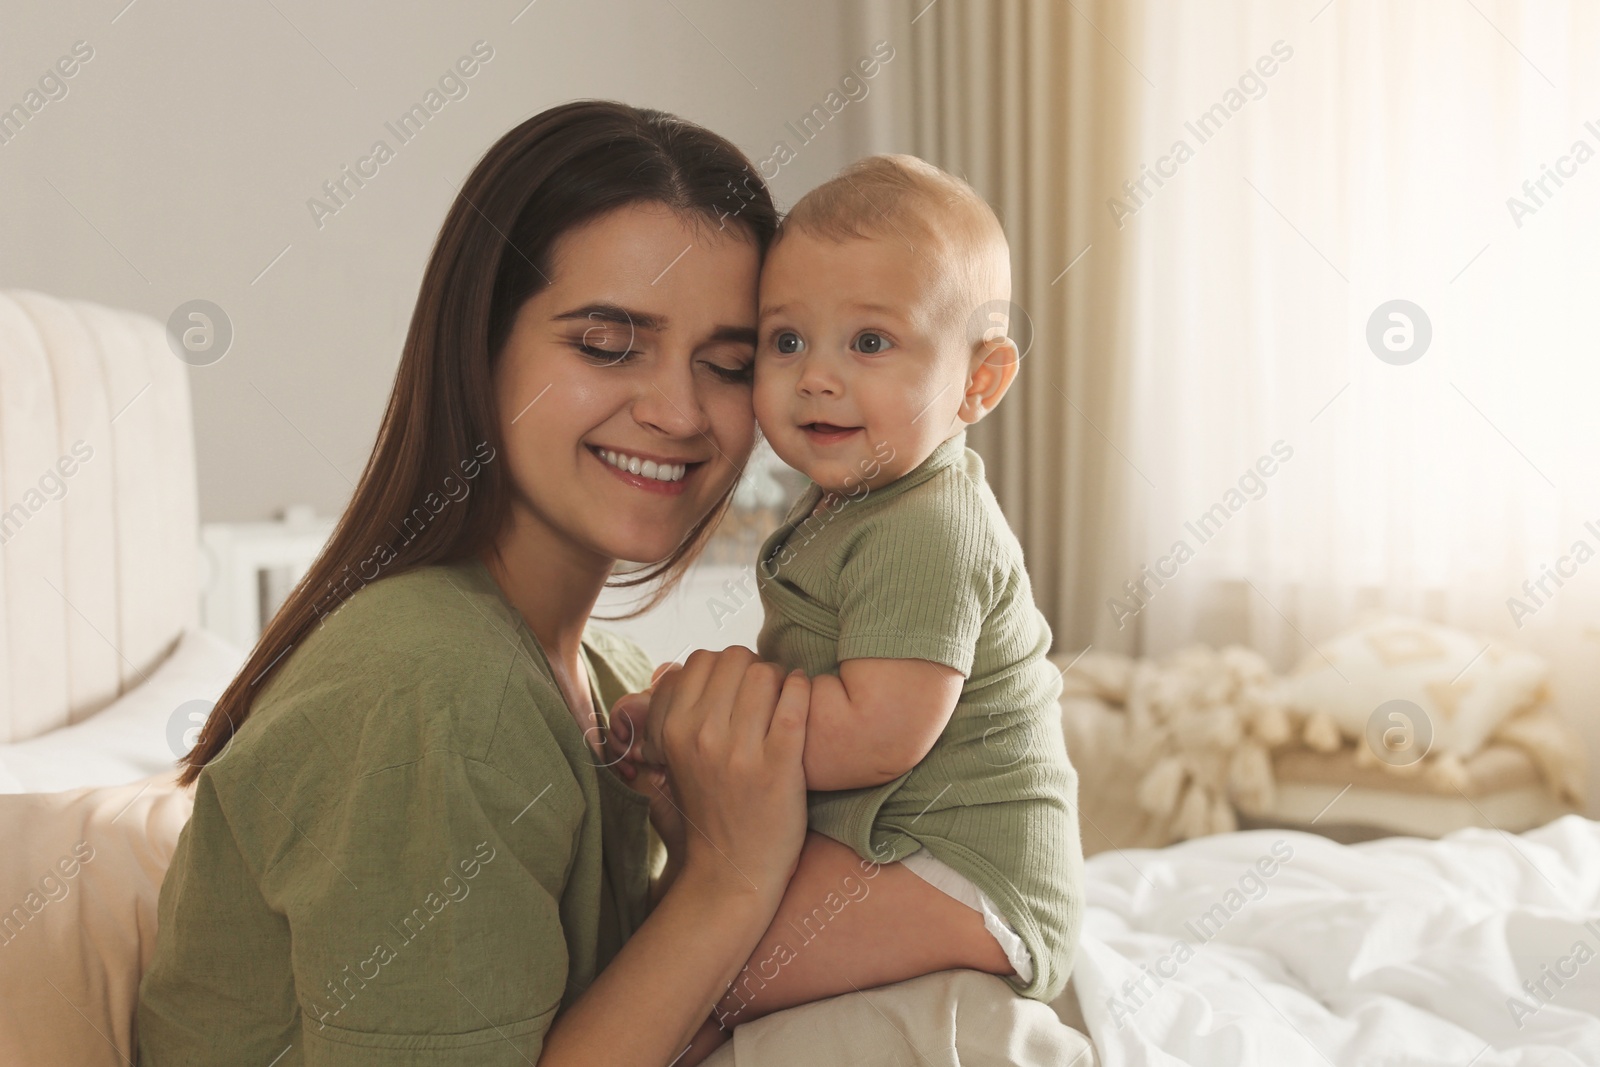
[(637, 355)]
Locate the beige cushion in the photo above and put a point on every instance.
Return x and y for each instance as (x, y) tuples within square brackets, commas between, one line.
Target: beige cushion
[(1465, 685), (78, 889)]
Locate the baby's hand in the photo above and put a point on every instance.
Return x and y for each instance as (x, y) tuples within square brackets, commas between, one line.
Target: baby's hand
[(628, 718), (627, 742)]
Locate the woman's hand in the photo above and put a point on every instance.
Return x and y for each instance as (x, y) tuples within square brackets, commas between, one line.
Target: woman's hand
[(732, 730)]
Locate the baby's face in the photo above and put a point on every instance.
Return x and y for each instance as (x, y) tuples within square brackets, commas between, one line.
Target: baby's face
[(858, 375)]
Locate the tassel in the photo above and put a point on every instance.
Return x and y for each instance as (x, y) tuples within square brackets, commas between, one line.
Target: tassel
[(1194, 813), (1270, 724), (1250, 777), (1158, 791), (1322, 733), (1447, 773), (1223, 818)]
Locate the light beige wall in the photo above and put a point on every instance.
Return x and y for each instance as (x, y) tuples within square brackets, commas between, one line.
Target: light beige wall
[(180, 160)]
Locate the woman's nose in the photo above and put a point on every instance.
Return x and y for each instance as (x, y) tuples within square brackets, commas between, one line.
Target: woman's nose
[(670, 404)]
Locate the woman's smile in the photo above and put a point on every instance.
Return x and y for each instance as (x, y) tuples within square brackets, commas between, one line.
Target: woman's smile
[(653, 474)]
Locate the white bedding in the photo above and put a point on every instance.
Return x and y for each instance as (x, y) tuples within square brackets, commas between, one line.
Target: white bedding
[(1394, 952)]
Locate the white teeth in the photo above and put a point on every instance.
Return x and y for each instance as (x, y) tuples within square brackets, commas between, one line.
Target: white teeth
[(646, 468)]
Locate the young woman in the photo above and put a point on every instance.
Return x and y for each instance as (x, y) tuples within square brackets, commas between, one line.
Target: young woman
[(406, 845)]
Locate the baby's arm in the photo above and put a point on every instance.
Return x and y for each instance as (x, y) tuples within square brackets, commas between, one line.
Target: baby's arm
[(876, 719), (869, 724)]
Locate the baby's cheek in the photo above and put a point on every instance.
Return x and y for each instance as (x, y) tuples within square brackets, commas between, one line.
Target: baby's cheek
[(767, 407)]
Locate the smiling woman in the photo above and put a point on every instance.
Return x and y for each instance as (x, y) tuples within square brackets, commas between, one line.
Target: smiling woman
[(587, 319), (657, 369)]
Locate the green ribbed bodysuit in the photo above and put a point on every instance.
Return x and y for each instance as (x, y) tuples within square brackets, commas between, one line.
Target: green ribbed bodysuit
[(926, 567)]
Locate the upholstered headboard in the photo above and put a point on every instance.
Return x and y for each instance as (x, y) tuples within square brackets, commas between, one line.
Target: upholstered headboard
[(98, 517)]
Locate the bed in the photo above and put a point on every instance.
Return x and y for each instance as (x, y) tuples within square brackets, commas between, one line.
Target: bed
[(1400, 951)]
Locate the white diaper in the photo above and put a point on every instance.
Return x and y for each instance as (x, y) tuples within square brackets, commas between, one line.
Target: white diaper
[(953, 883)]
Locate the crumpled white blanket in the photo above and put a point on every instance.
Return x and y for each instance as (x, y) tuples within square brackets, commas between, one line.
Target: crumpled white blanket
[(1279, 949)]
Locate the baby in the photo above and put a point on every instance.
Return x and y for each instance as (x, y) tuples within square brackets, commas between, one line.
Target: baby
[(942, 804)]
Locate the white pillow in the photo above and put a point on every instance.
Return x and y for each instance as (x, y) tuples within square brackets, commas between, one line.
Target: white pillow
[(140, 734), (1463, 688)]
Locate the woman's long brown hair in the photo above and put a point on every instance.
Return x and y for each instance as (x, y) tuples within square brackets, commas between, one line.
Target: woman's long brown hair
[(558, 170)]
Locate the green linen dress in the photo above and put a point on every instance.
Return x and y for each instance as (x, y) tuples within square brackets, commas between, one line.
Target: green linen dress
[(408, 854)]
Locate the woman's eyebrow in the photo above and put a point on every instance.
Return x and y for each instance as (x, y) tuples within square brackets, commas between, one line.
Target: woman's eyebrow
[(745, 335), (639, 320), (615, 314)]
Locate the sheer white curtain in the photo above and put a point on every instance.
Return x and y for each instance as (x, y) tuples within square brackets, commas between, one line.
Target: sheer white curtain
[(1374, 163), (1237, 189)]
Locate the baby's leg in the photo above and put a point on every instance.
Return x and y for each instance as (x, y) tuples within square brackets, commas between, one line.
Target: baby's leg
[(844, 925)]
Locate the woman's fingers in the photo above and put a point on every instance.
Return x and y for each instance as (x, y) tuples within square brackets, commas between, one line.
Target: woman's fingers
[(753, 708), (786, 732), (672, 689), (714, 708)]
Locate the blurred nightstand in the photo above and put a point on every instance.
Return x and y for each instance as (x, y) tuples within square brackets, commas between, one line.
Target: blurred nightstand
[(248, 568)]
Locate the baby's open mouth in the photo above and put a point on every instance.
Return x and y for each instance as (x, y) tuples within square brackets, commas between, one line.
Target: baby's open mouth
[(827, 429)]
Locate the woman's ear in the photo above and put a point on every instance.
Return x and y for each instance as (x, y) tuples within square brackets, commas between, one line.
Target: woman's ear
[(995, 368)]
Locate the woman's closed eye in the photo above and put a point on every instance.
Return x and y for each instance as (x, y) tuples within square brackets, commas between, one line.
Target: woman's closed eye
[(742, 374), (601, 354)]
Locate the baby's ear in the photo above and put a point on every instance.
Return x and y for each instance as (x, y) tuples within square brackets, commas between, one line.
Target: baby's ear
[(994, 367)]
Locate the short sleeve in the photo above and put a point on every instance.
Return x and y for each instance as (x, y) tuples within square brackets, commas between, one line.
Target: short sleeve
[(438, 938), (917, 583), (221, 954)]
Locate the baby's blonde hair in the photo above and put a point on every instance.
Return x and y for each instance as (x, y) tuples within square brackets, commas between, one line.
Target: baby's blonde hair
[(901, 197)]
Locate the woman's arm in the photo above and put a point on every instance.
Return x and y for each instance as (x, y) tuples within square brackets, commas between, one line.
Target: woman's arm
[(648, 1003), (732, 729), (665, 880)]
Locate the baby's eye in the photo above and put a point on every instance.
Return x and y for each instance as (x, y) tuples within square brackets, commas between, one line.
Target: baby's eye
[(871, 342), (788, 342)]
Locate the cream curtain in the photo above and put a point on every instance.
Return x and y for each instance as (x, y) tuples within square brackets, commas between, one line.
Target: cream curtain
[(1206, 446), (1028, 102)]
